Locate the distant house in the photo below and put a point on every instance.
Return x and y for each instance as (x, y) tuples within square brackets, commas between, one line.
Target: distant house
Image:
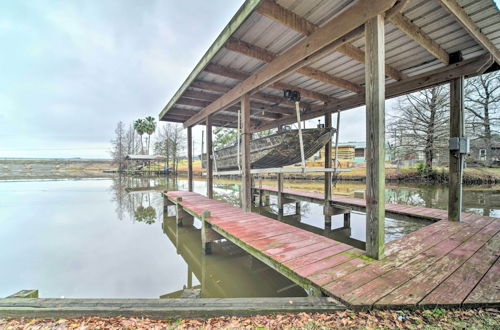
[(479, 152)]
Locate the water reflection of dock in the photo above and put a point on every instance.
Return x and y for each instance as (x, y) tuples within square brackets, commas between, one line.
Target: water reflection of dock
[(228, 272)]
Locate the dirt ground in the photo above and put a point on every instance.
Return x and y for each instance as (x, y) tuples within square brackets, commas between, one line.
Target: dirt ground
[(426, 319)]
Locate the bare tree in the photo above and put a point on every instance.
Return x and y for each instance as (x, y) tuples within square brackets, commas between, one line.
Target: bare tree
[(118, 151), (421, 122), (171, 142), (482, 105)]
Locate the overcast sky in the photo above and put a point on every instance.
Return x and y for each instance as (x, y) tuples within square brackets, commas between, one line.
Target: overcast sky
[(70, 70)]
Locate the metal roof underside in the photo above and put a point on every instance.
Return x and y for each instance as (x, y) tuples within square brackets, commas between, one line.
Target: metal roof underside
[(222, 69)]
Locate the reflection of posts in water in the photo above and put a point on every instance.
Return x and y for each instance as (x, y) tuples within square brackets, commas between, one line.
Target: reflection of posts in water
[(330, 210), (166, 203)]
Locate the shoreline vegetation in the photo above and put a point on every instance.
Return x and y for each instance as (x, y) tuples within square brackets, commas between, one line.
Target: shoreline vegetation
[(39, 168)]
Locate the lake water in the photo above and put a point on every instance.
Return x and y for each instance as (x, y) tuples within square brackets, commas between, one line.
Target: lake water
[(109, 238)]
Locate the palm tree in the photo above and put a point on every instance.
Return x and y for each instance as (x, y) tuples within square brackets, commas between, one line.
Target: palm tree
[(139, 126), (150, 128)]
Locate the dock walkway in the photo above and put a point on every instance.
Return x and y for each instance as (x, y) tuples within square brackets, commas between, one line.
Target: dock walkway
[(358, 204), (445, 263)]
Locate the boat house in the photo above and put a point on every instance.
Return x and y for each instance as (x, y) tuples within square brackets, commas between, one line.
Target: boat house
[(278, 63)]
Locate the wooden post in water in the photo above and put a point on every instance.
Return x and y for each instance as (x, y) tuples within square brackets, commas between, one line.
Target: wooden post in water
[(190, 158), (375, 139), (456, 157), (246, 177), (210, 161), (328, 175), (280, 193)]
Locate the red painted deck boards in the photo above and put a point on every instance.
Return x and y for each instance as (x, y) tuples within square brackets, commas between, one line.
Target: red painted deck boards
[(445, 263)]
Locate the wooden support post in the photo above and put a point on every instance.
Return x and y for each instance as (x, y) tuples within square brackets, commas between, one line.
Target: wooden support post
[(246, 177), (328, 175), (208, 235), (456, 158), (190, 158), (280, 192), (210, 161), (375, 139), (182, 217)]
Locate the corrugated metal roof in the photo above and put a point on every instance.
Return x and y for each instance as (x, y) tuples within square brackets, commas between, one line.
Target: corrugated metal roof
[(402, 53)]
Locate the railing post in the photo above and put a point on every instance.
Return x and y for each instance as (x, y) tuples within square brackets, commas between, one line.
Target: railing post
[(246, 177)]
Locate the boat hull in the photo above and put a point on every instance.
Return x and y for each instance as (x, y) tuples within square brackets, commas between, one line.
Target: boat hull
[(277, 150)]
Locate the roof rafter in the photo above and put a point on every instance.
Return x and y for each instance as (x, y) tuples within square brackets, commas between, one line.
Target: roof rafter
[(333, 34), (468, 24), (288, 18), (254, 104), (259, 108), (471, 67), (220, 88), (238, 75), (419, 36), (266, 56)]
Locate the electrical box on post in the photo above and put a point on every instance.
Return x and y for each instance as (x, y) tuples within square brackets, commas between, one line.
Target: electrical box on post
[(461, 145)]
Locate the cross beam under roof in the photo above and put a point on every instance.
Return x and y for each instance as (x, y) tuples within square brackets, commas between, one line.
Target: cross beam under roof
[(333, 32), (468, 68)]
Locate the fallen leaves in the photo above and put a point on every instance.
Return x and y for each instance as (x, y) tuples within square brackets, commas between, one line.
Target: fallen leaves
[(440, 318)]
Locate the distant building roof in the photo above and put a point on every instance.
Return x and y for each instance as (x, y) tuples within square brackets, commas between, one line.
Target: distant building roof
[(145, 157), (354, 144)]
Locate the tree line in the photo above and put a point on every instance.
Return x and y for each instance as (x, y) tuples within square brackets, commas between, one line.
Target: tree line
[(169, 141)]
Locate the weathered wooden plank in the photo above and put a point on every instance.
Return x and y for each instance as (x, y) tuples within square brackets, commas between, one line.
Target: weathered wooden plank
[(457, 287), (413, 291), (341, 265), (488, 289), (401, 251), (381, 286)]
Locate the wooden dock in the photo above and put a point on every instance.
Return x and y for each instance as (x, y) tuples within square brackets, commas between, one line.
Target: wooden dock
[(446, 263), (399, 211)]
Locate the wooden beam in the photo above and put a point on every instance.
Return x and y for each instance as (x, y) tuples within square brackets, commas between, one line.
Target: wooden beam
[(375, 138), (468, 68), (246, 178), (468, 24), (234, 109), (254, 104), (415, 33), (210, 161), (238, 75), (172, 117), (190, 158), (456, 158), (266, 56), (220, 88), (298, 55), (288, 18)]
